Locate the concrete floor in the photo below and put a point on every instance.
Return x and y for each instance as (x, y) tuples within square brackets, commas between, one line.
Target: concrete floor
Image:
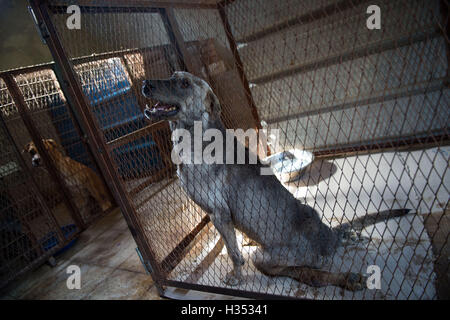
[(110, 268)]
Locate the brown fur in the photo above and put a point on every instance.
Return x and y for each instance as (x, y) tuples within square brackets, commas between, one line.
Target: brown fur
[(80, 179)]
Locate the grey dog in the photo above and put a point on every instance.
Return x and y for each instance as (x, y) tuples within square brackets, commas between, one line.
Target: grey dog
[(292, 239)]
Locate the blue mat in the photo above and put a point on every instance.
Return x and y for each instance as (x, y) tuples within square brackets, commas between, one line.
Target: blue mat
[(51, 240)]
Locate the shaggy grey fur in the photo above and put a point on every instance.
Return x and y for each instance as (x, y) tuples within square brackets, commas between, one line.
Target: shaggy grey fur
[(292, 239)]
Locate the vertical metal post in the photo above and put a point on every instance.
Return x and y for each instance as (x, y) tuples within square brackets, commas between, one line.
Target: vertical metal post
[(63, 93), (21, 105), (242, 76), (239, 64), (87, 120), (176, 39), (445, 13), (33, 185)]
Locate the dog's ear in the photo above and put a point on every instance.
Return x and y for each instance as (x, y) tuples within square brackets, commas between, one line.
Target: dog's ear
[(26, 147), (212, 105), (50, 142), (54, 144)]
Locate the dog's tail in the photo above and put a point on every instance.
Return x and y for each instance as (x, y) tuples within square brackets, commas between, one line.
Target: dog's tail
[(360, 223)]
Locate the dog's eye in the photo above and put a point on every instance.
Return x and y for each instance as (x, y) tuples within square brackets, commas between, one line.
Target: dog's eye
[(184, 83)]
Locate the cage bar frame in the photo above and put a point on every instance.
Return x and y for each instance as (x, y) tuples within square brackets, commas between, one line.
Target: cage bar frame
[(63, 240), (80, 105), (37, 139)]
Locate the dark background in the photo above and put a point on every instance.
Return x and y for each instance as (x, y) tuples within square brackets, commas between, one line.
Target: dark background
[(20, 44)]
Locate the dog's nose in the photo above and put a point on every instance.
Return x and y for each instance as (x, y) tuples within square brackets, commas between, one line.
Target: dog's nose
[(36, 162), (146, 88)]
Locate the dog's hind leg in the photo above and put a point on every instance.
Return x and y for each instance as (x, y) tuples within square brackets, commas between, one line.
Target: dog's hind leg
[(97, 191), (273, 265), (81, 199)]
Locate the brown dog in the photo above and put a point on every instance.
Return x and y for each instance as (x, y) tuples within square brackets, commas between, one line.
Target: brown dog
[(81, 180)]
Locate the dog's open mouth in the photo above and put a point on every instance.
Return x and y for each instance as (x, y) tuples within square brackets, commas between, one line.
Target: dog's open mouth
[(160, 110)]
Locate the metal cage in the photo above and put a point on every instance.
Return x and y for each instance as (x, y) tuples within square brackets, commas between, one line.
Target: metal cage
[(371, 105), (40, 212)]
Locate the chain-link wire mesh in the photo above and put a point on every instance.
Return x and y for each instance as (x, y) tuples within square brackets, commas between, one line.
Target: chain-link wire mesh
[(22, 137), (370, 105), (50, 113), (32, 209), (41, 221), (26, 230)]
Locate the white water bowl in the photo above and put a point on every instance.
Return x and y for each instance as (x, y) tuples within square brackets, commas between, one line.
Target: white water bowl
[(289, 165)]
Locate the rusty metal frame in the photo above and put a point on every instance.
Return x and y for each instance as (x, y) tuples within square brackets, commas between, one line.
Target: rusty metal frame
[(62, 87), (140, 4), (346, 56), (33, 185), (172, 30), (21, 105), (74, 93), (433, 86), (239, 64), (227, 291), (81, 107), (410, 143), (445, 13), (43, 204), (302, 19), (9, 77), (177, 254)]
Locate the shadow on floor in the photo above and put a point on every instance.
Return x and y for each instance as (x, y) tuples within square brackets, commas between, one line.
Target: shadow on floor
[(110, 268), (318, 171)]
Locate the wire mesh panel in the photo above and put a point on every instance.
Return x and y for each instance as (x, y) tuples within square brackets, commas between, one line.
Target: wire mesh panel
[(140, 150), (46, 184), (29, 230), (209, 47), (331, 85), (370, 107), (44, 115), (325, 69), (49, 110)]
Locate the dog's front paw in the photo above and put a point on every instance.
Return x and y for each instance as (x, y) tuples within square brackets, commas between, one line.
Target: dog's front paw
[(232, 280), (355, 281)]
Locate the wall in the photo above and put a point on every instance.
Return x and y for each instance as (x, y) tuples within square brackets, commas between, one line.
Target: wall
[(20, 44)]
